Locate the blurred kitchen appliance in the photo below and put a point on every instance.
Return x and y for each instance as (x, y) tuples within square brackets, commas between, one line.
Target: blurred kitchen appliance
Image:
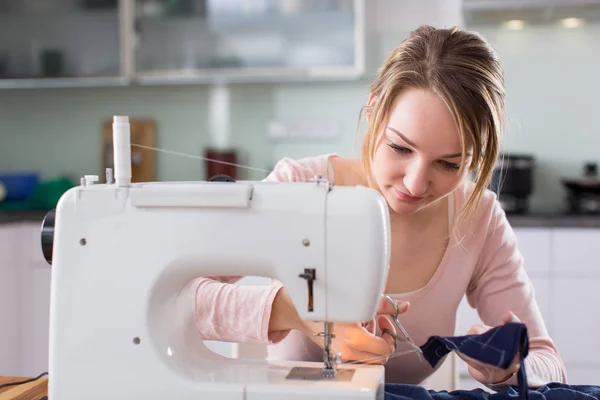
[(512, 180), (583, 194), (143, 161)]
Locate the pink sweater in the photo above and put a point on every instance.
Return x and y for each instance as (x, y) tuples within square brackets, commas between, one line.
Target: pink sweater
[(482, 261)]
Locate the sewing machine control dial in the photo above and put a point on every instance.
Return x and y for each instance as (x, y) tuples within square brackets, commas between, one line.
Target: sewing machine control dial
[(48, 235), (221, 178)]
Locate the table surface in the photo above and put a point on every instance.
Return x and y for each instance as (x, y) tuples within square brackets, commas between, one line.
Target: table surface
[(34, 390)]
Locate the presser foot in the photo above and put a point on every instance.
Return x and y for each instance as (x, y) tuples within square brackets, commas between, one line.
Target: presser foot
[(330, 369), (331, 362)]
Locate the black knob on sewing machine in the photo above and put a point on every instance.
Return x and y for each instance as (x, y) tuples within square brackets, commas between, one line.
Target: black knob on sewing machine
[(221, 178), (48, 235)]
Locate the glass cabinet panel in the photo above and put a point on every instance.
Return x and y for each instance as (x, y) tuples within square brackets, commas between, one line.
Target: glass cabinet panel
[(59, 39), (211, 38)]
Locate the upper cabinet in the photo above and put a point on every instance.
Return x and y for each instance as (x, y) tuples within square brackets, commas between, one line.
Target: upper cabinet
[(59, 42), (115, 42)]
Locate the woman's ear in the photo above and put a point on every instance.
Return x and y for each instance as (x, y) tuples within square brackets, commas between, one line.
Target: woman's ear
[(369, 107), (372, 99)]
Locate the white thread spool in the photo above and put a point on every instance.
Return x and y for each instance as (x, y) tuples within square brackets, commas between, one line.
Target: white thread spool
[(122, 150)]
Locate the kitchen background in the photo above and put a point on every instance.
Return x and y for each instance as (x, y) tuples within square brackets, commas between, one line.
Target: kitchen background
[(200, 75), (551, 75)]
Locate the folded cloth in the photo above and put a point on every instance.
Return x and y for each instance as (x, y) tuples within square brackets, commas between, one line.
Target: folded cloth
[(551, 391), (497, 347)]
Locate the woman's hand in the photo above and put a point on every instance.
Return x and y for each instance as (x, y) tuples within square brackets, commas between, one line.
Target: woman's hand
[(358, 341), (485, 373)]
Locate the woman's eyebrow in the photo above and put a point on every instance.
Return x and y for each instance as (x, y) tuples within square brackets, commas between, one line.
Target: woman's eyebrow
[(397, 132), (455, 155), (410, 143)]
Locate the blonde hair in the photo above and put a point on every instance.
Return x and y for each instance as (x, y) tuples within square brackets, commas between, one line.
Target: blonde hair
[(461, 68)]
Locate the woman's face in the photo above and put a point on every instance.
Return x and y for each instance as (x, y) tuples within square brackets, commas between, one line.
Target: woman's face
[(418, 153)]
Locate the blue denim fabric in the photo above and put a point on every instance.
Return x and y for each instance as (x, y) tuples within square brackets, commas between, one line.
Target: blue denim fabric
[(497, 347), (552, 391)]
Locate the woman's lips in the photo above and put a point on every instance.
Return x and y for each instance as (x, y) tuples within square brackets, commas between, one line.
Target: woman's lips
[(406, 197)]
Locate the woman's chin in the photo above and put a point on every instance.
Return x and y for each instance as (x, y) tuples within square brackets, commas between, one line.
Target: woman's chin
[(402, 207)]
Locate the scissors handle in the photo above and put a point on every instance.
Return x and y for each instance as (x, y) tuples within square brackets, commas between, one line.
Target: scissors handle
[(399, 326)]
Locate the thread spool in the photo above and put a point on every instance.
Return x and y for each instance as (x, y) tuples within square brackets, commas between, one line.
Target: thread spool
[(122, 150)]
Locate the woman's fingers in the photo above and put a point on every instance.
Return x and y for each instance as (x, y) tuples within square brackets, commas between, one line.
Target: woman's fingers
[(366, 342), (388, 327), (371, 326), (478, 329), (386, 307), (510, 317)]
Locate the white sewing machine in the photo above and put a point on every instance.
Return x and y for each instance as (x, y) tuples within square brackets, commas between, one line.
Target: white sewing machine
[(121, 323)]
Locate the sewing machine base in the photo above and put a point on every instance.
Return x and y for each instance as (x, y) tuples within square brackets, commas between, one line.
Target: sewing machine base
[(240, 380)]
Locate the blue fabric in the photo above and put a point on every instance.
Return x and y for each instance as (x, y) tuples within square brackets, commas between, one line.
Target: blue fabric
[(552, 391), (497, 347)]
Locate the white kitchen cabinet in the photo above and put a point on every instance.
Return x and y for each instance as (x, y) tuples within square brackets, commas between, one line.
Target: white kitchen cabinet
[(252, 38), (24, 301), (10, 313), (576, 299), (35, 300), (38, 355), (576, 302), (583, 375), (535, 244), (575, 252), (48, 43), (164, 42)]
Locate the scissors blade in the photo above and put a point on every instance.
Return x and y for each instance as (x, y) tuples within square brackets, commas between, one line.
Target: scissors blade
[(406, 336)]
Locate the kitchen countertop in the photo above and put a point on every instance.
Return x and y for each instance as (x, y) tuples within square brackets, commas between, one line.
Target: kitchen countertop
[(554, 220), (533, 220), (7, 217)]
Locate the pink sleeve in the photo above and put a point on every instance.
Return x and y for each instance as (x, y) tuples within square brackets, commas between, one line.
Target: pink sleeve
[(500, 284), (229, 312)]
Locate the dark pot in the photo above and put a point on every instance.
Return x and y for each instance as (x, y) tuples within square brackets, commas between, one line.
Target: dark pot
[(582, 187)]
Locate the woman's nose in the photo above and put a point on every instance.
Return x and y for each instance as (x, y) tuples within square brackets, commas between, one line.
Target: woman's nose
[(416, 180)]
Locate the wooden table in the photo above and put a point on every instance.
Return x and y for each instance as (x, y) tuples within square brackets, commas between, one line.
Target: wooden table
[(35, 390)]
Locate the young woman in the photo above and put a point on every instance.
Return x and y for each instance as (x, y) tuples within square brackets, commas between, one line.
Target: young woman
[(435, 115)]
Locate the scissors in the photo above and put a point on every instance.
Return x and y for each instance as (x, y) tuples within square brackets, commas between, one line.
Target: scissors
[(401, 329)]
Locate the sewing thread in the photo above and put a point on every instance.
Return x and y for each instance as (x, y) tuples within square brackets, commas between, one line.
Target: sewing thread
[(177, 153)]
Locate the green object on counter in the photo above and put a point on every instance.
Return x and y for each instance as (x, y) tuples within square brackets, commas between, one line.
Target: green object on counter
[(45, 196), (48, 193)]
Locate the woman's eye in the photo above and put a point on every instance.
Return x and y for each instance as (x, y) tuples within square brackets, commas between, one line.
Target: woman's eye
[(398, 149), (450, 165)]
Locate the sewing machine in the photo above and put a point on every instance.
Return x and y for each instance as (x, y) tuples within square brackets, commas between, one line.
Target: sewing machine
[(122, 322)]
